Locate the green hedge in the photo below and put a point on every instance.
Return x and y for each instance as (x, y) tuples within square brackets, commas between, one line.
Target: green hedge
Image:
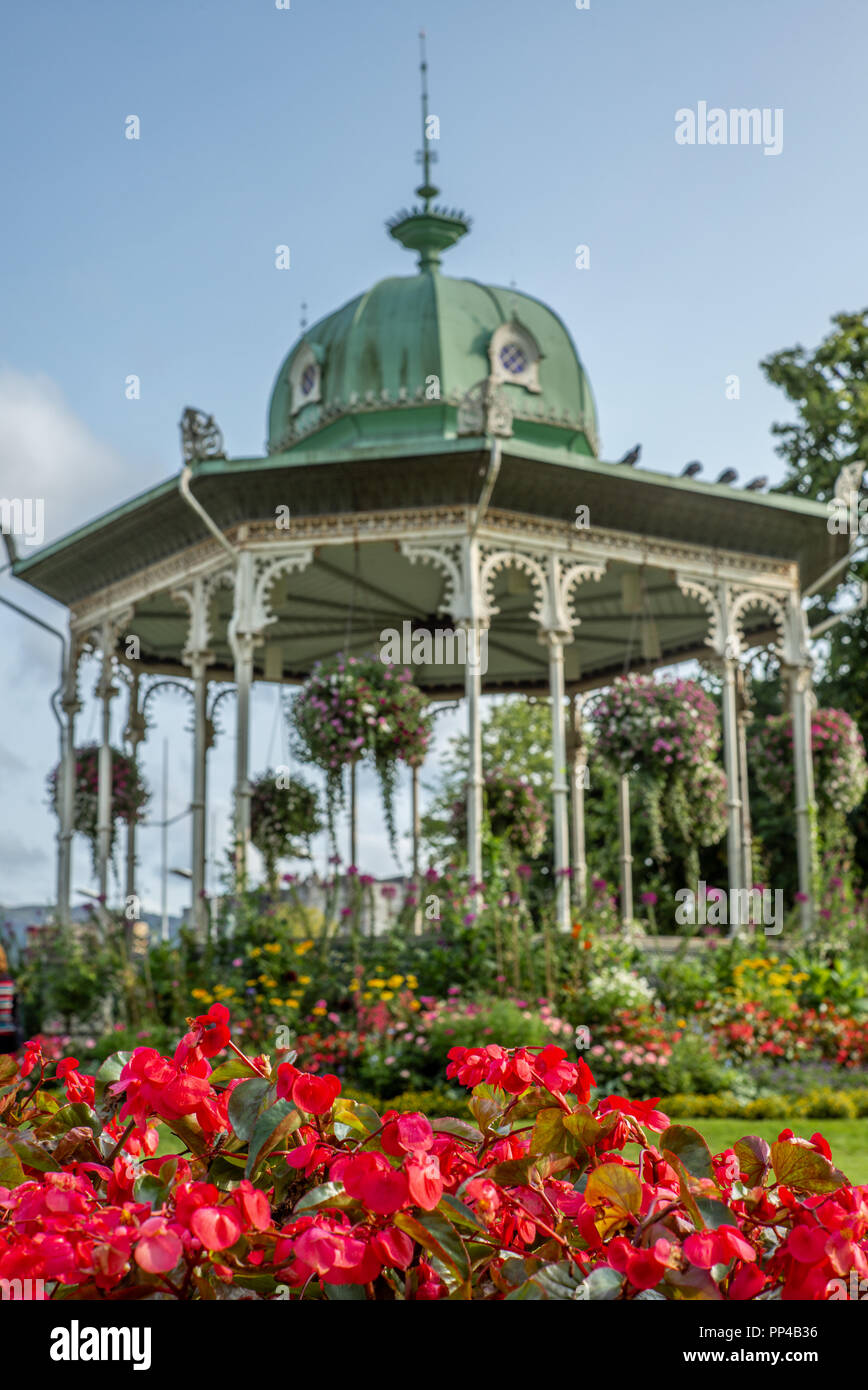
[(822, 1102), (432, 1103)]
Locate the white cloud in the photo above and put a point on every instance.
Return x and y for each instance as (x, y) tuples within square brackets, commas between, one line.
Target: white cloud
[(48, 452)]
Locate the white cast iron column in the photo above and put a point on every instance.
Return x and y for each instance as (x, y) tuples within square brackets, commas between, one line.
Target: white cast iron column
[(197, 656), (626, 851), (578, 762), (473, 627), (199, 667), (730, 749), (242, 640), (560, 824), (744, 718), (66, 790), (798, 671), (105, 691), (134, 734), (806, 810)]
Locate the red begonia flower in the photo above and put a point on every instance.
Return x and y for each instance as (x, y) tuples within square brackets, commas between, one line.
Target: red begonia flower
[(214, 1028), (315, 1094), (394, 1247), (424, 1179), (406, 1133), (158, 1249), (216, 1227)]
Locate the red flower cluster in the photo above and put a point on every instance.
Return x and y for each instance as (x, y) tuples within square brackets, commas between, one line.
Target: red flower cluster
[(516, 1069), (307, 1191)]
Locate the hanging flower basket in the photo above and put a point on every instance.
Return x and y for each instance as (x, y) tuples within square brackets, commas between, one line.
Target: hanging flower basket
[(515, 814), (284, 814), (838, 749), (667, 734), (129, 794), (657, 725), (360, 707)]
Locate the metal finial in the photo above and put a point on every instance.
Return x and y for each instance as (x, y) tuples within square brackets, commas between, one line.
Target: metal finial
[(426, 189), (303, 322)]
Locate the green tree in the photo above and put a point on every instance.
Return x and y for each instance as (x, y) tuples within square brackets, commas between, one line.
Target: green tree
[(829, 389)]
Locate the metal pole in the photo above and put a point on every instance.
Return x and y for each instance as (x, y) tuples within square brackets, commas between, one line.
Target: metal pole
[(626, 853), (354, 816), (67, 696), (164, 844), (200, 753), (417, 835)]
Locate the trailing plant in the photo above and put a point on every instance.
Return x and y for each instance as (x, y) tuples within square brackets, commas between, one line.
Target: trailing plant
[(360, 707), (284, 814)]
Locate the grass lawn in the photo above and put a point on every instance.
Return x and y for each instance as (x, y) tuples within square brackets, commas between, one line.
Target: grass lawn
[(848, 1139)]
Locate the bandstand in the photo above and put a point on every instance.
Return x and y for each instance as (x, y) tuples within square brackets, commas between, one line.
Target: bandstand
[(432, 459)]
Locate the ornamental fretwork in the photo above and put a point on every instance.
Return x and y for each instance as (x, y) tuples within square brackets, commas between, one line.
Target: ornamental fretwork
[(200, 436)]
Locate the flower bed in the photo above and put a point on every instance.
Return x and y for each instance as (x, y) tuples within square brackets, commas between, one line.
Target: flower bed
[(283, 1187)]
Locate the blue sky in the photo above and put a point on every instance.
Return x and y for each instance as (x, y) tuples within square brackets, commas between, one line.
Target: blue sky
[(262, 126)]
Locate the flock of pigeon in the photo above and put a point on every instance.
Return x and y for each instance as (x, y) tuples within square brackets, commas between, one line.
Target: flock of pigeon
[(692, 469)]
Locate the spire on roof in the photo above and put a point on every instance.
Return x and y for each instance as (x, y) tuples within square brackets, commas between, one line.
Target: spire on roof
[(427, 230)]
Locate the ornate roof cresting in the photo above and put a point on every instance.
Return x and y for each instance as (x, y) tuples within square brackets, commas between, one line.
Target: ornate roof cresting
[(200, 436)]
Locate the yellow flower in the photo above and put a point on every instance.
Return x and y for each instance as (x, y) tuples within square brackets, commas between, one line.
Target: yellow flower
[(367, 996), (387, 995), (395, 981), (681, 1023), (412, 982), (304, 979), (273, 947), (353, 986), (292, 1003), (376, 984), (255, 951), (278, 1003), (302, 947), (199, 994), (318, 1011), (415, 1005), (251, 983)]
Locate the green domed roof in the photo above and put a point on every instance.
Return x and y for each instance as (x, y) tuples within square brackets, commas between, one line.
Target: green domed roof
[(398, 362), (428, 358)]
